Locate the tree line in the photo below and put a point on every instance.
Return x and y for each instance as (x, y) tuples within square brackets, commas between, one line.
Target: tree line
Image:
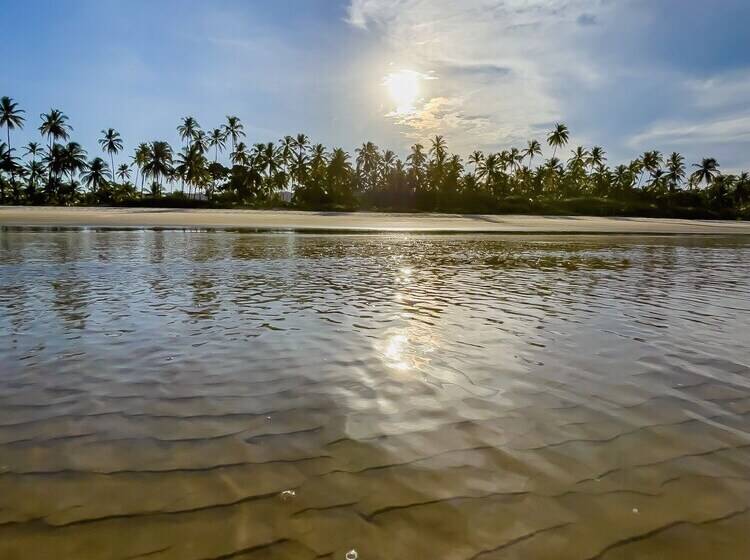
[(59, 171)]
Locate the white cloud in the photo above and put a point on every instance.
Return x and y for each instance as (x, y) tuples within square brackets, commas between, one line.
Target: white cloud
[(731, 129), (716, 120), (721, 91), (500, 63)]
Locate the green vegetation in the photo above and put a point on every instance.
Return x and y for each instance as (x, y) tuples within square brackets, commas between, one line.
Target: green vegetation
[(58, 171)]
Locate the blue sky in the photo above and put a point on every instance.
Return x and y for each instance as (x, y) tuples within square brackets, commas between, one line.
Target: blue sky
[(628, 75)]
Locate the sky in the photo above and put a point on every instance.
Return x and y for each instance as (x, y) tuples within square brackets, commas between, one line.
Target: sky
[(629, 75)]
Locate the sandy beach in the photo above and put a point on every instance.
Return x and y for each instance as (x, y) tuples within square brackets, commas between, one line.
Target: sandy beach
[(364, 221)]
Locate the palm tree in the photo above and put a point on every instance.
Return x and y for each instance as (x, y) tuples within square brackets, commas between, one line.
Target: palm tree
[(579, 158), (95, 175), (708, 170), (33, 150), (111, 143), (55, 126), (239, 155), (266, 157), (368, 159), (140, 158), (192, 166), (234, 130), (123, 172), (490, 169), (318, 156), (217, 140), (201, 142), (188, 129), (301, 144), (54, 161), (675, 171), (11, 117), (438, 149), (558, 138), (650, 162), (742, 189), (74, 159), (476, 158), (534, 148), (597, 157), (159, 163)]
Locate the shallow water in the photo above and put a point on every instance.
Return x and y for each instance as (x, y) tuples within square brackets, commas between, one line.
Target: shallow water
[(204, 395)]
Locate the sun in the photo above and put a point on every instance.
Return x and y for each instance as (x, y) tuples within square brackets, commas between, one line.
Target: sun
[(403, 89)]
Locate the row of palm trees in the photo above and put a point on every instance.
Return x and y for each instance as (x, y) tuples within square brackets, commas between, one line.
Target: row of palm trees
[(58, 171)]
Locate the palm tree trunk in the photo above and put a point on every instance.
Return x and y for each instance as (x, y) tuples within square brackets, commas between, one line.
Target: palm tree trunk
[(12, 172), (112, 160)]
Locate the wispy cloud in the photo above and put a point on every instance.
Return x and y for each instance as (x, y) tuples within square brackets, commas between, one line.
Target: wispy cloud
[(691, 132)]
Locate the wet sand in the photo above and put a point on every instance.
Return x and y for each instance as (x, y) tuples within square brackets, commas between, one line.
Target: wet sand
[(296, 220)]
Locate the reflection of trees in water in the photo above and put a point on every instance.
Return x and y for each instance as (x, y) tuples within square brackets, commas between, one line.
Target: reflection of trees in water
[(14, 302), (156, 244), (205, 297), (70, 301)]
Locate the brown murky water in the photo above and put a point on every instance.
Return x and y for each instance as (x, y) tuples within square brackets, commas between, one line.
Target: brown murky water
[(173, 395)]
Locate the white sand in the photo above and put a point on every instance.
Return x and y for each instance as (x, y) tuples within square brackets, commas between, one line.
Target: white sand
[(281, 219)]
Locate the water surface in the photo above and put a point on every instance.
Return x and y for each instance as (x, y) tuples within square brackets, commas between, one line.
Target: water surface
[(201, 395)]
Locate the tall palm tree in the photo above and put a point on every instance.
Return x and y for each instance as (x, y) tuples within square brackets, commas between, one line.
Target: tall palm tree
[(339, 173), (188, 130), (55, 126), (707, 171), (558, 138), (287, 155), (32, 149), (368, 159), (597, 157), (439, 149), (301, 144), (11, 117), (675, 170), (111, 142), (234, 130), (201, 142), (514, 159), (318, 156), (140, 158), (533, 148), (217, 140)]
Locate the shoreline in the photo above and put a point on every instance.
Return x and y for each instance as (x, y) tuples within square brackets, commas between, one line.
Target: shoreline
[(303, 221)]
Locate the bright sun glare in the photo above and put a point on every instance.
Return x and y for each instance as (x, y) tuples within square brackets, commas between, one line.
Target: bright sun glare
[(403, 88)]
